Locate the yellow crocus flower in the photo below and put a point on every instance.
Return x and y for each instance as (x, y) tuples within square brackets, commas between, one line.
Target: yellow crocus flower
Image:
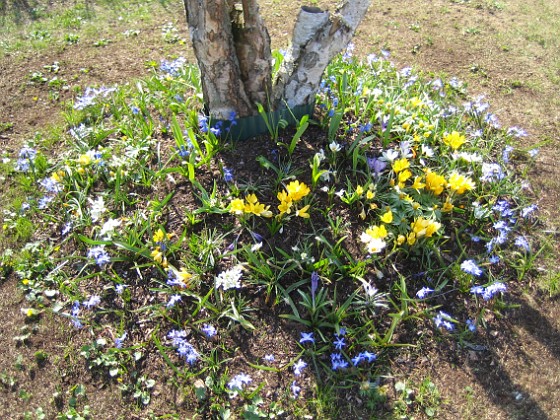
[(454, 140), (297, 190), (434, 182), (400, 165), (387, 217), (159, 236), (303, 212), (460, 183), (237, 206)]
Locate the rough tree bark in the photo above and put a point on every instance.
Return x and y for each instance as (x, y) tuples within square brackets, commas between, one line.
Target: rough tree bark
[(232, 47)]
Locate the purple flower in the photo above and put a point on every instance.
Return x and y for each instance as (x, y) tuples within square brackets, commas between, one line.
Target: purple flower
[(477, 290), (307, 338), (100, 256), (494, 259), (528, 210), (491, 172), (66, 229), (376, 165), (516, 132), (470, 267), (269, 358), (173, 300), (506, 153), (471, 325), (445, 320), (119, 288), (314, 284)]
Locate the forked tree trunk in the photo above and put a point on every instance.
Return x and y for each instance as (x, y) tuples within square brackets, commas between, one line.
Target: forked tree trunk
[(232, 47)]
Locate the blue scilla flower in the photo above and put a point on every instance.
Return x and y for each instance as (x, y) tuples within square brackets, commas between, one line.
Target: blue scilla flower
[(337, 362), (493, 289), (119, 340), (228, 174), (442, 319), (238, 382), (100, 256), (209, 330), (173, 300), (307, 338)]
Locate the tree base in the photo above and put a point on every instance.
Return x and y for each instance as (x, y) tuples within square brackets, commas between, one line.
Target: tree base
[(248, 127)]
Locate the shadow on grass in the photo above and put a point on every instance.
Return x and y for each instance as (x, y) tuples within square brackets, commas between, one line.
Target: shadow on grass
[(514, 397), (18, 10)]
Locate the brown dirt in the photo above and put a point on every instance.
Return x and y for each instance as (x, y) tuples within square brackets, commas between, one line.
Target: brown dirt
[(518, 373)]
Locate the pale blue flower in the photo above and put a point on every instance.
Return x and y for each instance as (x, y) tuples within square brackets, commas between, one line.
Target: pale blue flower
[(493, 289), (470, 267), (522, 242), (528, 210), (423, 292), (299, 366), (93, 301), (173, 300), (209, 330), (443, 319), (100, 256), (295, 389), (238, 382), (119, 340)]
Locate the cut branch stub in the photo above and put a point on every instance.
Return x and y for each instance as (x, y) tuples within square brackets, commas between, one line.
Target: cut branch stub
[(317, 38)]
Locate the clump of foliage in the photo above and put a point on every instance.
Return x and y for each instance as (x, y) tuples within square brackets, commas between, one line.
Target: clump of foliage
[(400, 204)]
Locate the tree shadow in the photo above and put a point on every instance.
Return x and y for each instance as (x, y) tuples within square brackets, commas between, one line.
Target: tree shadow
[(513, 397), (20, 10)]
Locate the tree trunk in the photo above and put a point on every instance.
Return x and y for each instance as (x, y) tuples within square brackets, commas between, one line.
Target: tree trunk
[(232, 47)]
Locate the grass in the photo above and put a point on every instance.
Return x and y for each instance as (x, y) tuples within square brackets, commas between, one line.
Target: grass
[(162, 232)]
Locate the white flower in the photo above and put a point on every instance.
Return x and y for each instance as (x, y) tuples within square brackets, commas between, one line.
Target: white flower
[(230, 279), (335, 147), (467, 157), (427, 151), (320, 155), (97, 208), (373, 245), (108, 228), (256, 247), (389, 155)]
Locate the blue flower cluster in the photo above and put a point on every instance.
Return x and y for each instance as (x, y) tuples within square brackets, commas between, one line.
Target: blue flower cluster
[(183, 347)]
